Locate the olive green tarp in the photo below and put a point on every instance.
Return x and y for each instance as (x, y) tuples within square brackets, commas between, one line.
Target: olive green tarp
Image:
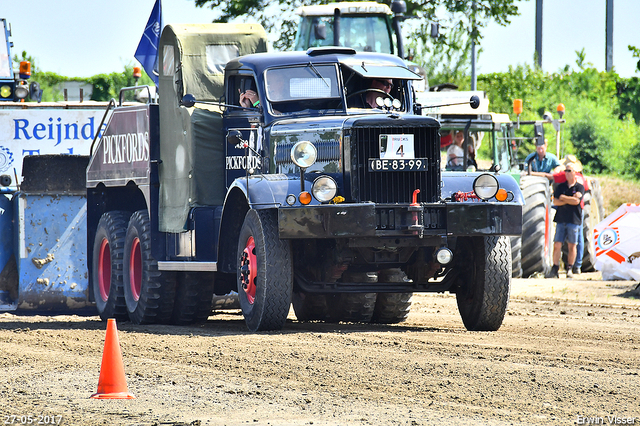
[(191, 60)]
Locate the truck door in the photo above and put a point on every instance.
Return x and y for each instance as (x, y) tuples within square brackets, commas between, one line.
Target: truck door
[(249, 122)]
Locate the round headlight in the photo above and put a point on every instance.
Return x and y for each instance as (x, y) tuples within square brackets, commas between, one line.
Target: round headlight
[(444, 256), (485, 186), (22, 91), (304, 154), (5, 91), (324, 189)]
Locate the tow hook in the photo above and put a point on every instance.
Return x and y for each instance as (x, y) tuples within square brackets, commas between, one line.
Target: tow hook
[(416, 215)]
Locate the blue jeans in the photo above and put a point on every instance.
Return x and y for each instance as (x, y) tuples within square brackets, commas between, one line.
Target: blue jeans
[(567, 232), (580, 246)]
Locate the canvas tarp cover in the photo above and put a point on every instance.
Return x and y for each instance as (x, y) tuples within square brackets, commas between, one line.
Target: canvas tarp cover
[(191, 60)]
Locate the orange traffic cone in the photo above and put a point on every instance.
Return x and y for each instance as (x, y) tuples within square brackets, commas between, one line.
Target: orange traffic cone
[(112, 384)]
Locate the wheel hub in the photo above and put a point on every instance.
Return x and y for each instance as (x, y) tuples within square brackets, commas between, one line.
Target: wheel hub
[(248, 270)]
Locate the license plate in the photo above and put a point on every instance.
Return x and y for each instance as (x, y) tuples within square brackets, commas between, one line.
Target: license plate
[(407, 165)]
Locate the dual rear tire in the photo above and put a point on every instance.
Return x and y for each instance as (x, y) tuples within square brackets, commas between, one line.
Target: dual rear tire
[(127, 283)]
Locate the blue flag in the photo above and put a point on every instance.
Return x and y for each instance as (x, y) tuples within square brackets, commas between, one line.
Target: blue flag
[(147, 51)]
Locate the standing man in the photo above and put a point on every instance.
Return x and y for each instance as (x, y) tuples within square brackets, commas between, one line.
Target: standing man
[(567, 197), (541, 162)]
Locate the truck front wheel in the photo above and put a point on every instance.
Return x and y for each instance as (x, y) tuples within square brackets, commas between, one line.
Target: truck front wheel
[(107, 265), (484, 282), (265, 272), (149, 293)]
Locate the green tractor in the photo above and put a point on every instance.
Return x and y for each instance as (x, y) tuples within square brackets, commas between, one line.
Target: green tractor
[(532, 252)]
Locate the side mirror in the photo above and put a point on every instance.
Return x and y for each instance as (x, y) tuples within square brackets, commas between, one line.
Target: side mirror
[(474, 102), (188, 100), (234, 137)]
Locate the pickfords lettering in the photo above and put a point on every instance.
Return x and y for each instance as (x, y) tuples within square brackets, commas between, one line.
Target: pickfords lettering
[(125, 148)]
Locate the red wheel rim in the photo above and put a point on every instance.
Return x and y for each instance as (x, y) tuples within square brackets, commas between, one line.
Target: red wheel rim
[(135, 269), (104, 270), (248, 270)]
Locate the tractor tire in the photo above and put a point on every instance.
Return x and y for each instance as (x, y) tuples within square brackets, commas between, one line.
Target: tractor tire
[(194, 297), (107, 265), (593, 214), (516, 257), (265, 272), (392, 308), (311, 306), (484, 282), (149, 293), (537, 250)]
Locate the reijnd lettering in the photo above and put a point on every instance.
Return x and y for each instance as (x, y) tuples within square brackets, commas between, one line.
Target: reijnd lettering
[(125, 148), (56, 131)]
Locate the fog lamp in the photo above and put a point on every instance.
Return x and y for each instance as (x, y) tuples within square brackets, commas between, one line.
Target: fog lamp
[(324, 189)]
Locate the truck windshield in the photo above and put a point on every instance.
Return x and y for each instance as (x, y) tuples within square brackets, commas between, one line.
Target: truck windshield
[(5, 63), (303, 87), (363, 33)]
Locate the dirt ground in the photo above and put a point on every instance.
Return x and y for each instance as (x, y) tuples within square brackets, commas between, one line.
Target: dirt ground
[(567, 353)]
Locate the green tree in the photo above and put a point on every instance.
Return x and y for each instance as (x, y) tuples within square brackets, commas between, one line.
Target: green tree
[(461, 22)]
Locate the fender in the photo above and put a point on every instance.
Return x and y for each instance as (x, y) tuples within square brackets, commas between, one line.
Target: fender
[(453, 182), (270, 191)]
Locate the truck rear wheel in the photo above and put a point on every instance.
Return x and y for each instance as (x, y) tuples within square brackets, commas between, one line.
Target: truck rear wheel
[(311, 306), (352, 307), (536, 251), (149, 293), (107, 265), (392, 308), (194, 296), (265, 272), (516, 257), (484, 282)]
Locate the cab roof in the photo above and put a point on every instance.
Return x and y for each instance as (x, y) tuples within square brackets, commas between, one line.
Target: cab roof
[(368, 65), (346, 8)]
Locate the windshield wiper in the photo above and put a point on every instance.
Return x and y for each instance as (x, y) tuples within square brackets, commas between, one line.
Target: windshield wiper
[(318, 74)]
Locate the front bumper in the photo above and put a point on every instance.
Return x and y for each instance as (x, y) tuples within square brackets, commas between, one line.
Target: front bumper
[(394, 220)]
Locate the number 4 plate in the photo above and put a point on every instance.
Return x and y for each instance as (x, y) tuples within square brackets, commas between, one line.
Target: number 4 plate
[(407, 165)]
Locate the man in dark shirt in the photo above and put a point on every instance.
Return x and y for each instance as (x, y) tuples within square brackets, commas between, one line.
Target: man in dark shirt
[(567, 197)]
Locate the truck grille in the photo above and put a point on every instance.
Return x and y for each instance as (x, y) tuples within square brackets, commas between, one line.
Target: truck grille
[(394, 187)]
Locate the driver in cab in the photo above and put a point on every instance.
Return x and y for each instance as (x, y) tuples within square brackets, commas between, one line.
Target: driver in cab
[(384, 84)]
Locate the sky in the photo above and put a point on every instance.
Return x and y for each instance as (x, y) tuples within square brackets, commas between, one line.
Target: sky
[(80, 38)]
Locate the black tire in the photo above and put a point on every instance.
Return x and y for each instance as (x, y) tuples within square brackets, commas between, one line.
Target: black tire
[(352, 307), (516, 257), (484, 281), (392, 308), (149, 293), (310, 306), (593, 214), (194, 296), (537, 250), (107, 265), (265, 272)]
